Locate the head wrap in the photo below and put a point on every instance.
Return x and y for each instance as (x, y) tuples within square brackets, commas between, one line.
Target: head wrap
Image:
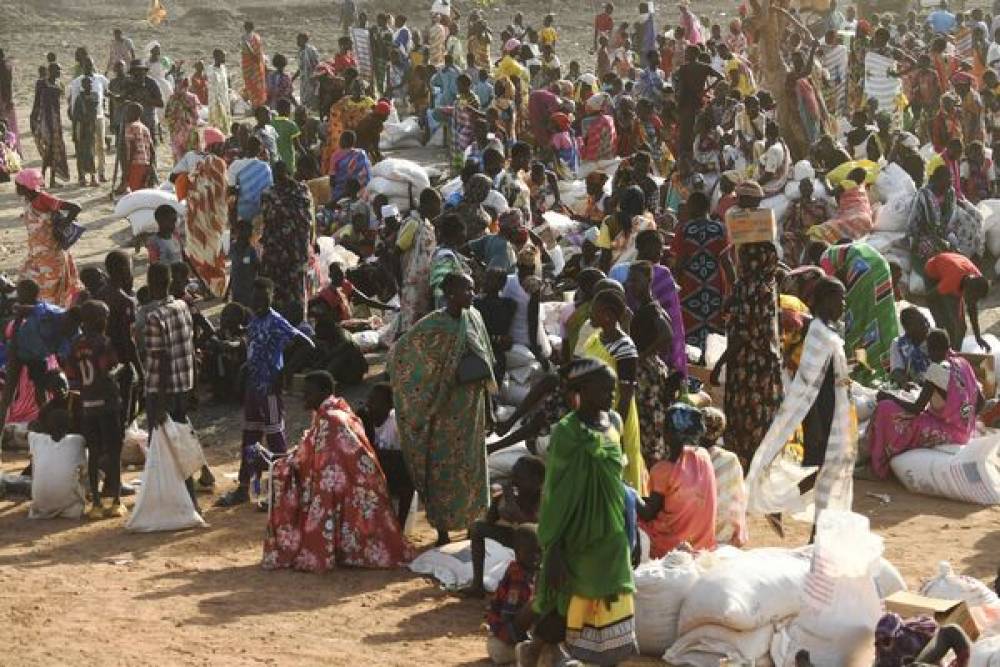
[(750, 189), (32, 179), (383, 107), (803, 169), (600, 102), (561, 121), (389, 211), (715, 425), (511, 45), (565, 87), (213, 136), (686, 422), (497, 202)]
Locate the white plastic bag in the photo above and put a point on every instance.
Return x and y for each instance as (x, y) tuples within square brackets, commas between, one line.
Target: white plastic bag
[(452, 564), (402, 134), (57, 477), (950, 586), (969, 473), (163, 502), (187, 448), (894, 215), (893, 181), (888, 580), (660, 588), (134, 445), (746, 591)]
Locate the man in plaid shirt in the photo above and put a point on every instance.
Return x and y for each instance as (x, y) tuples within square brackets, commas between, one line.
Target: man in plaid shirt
[(168, 332)]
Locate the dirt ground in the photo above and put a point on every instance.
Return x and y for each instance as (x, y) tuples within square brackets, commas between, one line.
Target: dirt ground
[(77, 592)]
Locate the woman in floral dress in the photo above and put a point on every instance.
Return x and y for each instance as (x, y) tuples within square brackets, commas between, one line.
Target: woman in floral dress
[(331, 504)]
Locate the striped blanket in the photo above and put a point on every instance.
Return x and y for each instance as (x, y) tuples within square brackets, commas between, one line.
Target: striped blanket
[(835, 92), (772, 481), (879, 84)]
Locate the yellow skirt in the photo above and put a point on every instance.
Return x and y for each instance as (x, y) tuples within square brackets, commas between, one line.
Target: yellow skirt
[(600, 632)]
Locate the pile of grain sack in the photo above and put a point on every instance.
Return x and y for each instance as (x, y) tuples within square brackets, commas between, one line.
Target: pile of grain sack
[(766, 605)]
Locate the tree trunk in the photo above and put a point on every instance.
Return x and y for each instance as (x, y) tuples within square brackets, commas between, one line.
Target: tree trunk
[(770, 25)]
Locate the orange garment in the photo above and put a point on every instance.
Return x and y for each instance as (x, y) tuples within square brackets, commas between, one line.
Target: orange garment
[(689, 503)]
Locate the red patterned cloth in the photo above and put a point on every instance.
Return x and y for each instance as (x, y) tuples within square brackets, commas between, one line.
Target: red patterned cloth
[(331, 506)]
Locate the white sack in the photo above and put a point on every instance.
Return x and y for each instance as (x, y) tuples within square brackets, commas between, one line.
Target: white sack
[(660, 588), (947, 585), (57, 476), (402, 134), (893, 181), (706, 645), (149, 198), (452, 564), (405, 171), (746, 591), (985, 653), (163, 502), (894, 215), (968, 473)]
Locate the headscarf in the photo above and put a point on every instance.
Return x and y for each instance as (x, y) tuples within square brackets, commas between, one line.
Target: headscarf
[(382, 108), (561, 121), (565, 88), (31, 179), (598, 103), (686, 422), (750, 189), (213, 136), (478, 187), (511, 46), (715, 425)]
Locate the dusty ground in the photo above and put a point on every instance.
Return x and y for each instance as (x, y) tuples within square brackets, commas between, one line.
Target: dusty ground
[(91, 593)]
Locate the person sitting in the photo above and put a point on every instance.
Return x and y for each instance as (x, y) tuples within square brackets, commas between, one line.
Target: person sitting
[(956, 283), (340, 293), (944, 413), (379, 418), (516, 504), (335, 349), (317, 525), (908, 359), (918, 641), (505, 614), (730, 489), (682, 500)]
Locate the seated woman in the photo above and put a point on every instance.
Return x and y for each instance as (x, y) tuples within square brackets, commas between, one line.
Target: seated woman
[(331, 505), (854, 211), (944, 413), (908, 359), (682, 500)]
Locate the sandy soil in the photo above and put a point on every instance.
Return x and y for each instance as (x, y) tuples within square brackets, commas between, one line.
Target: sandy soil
[(89, 592)]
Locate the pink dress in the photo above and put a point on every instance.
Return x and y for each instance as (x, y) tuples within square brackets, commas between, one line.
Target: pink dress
[(689, 503), (894, 431)]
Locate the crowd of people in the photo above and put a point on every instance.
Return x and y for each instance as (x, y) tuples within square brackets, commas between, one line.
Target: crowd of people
[(667, 137)]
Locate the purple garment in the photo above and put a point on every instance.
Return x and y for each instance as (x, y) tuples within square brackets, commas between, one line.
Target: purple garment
[(664, 290)]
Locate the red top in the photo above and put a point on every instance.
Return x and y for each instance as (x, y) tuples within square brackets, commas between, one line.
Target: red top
[(948, 269), (604, 23), (43, 202)]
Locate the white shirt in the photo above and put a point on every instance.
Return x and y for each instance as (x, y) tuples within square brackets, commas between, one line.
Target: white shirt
[(99, 84), (188, 162), (386, 436)]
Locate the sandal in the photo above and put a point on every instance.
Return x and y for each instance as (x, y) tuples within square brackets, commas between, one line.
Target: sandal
[(237, 496)]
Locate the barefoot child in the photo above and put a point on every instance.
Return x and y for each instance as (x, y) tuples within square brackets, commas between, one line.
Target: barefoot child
[(164, 247), (512, 596), (94, 367), (516, 504)]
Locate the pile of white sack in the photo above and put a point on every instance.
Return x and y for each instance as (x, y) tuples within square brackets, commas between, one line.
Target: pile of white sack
[(696, 610), (395, 178), (947, 585)]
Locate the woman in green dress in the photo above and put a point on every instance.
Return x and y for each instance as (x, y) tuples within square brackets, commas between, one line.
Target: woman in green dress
[(439, 392), (584, 592)]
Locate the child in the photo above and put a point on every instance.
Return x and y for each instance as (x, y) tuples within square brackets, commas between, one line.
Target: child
[(516, 504), (379, 418), (483, 89), (85, 110), (908, 360), (731, 509), (199, 82), (164, 247), (245, 264), (226, 353), (603, 58), (93, 365), (279, 84), (513, 594), (565, 146), (137, 170), (288, 134)]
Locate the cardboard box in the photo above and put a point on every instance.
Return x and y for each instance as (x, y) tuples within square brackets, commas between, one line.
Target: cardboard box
[(986, 372), (751, 226), (945, 612)]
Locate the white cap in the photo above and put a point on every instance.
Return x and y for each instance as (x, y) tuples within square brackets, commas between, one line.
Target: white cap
[(389, 211)]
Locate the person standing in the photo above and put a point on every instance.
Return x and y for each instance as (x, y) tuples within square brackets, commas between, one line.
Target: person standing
[(141, 89), (348, 15), (441, 371), (84, 114), (137, 151), (308, 60), (122, 49), (47, 263), (46, 125), (118, 296), (168, 337), (219, 115), (254, 67), (692, 78), (7, 111), (285, 240), (269, 337), (208, 214), (250, 176), (99, 85), (415, 245), (181, 116)]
